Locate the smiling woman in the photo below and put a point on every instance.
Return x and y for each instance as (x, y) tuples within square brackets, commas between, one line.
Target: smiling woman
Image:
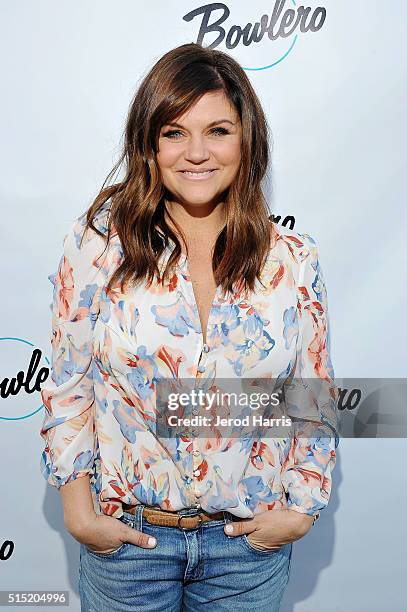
[(174, 274)]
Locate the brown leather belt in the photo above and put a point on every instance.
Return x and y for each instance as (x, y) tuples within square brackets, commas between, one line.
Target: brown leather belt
[(155, 516)]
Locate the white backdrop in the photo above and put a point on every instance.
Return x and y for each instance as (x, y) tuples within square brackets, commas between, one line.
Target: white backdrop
[(336, 104)]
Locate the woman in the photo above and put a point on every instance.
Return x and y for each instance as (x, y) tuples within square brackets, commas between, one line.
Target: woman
[(176, 273)]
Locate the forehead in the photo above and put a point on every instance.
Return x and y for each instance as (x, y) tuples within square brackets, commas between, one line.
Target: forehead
[(209, 107)]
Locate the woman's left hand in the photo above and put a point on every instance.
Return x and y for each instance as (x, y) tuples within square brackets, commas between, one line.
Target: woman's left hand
[(272, 529)]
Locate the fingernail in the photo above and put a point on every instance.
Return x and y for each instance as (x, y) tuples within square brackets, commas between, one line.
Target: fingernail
[(229, 529), (152, 541)]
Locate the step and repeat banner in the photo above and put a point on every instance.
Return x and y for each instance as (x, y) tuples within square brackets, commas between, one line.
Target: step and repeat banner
[(331, 76)]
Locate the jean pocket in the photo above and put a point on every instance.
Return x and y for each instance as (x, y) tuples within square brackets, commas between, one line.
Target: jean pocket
[(112, 553), (266, 551)]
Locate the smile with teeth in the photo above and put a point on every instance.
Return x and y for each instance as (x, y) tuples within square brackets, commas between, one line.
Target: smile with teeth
[(188, 173), (197, 174)]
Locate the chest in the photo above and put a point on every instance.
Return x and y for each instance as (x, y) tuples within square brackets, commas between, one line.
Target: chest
[(148, 333), (204, 286)]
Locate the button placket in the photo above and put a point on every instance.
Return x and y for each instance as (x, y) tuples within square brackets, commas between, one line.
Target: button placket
[(201, 367), (196, 462), (196, 459), (201, 364)]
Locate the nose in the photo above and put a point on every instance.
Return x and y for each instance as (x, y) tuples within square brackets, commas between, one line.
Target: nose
[(196, 150)]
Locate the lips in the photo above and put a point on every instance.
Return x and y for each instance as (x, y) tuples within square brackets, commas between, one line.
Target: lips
[(197, 175), (198, 171)]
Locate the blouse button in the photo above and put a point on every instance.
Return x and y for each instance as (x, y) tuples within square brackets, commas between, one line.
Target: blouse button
[(195, 452), (201, 368), (206, 348), (197, 472), (198, 493)]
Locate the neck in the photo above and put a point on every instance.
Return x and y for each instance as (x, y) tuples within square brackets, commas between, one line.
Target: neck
[(197, 227)]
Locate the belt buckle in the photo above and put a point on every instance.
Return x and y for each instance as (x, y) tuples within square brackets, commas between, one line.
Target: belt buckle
[(181, 516)]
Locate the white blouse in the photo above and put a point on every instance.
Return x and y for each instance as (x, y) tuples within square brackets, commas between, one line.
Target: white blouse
[(111, 351)]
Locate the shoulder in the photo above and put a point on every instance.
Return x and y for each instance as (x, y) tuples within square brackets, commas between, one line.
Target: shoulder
[(297, 254), (87, 251), (86, 257), (297, 245)]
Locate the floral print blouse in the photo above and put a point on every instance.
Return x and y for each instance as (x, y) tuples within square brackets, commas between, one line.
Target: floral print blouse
[(110, 349)]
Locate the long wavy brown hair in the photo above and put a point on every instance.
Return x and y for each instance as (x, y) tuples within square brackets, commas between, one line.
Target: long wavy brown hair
[(171, 87)]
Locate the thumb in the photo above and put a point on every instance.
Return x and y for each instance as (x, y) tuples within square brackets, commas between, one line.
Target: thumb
[(139, 538), (240, 527)]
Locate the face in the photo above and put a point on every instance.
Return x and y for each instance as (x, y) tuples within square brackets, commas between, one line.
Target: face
[(205, 142)]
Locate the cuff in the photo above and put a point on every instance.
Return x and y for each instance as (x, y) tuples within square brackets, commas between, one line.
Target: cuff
[(303, 510)]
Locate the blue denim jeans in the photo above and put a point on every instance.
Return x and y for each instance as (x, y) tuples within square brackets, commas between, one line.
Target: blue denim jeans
[(188, 571)]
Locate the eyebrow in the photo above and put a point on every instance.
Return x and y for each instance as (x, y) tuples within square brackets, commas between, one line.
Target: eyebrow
[(209, 124)]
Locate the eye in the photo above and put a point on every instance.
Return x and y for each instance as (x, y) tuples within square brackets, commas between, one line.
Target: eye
[(219, 130), (171, 133)]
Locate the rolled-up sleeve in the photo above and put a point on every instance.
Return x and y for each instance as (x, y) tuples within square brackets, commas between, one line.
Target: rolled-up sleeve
[(311, 395), (68, 427)]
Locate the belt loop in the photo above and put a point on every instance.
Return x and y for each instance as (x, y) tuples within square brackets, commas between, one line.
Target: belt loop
[(228, 517), (139, 517)]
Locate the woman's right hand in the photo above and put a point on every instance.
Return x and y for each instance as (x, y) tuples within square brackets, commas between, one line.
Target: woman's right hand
[(105, 534)]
